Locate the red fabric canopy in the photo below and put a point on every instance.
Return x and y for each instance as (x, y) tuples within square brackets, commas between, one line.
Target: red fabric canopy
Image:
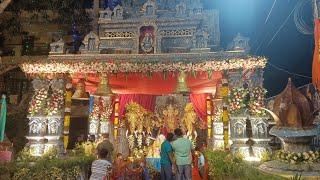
[(199, 102), (157, 84), (146, 101)]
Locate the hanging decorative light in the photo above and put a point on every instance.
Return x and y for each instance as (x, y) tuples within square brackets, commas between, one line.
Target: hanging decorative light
[(182, 87), (80, 92), (103, 87)]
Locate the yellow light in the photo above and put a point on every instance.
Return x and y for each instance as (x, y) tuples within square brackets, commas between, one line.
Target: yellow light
[(252, 159)]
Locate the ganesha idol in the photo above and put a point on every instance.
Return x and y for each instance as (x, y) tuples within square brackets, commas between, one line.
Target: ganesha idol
[(188, 120), (140, 125), (169, 120)]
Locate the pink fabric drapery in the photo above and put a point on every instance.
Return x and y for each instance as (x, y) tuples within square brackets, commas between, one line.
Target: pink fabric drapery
[(146, 101), (200, 105)]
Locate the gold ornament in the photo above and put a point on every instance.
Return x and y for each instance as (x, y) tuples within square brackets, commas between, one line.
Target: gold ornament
[(182, 83), (80, 93), (170, 118), (189, 118), (103, 87)]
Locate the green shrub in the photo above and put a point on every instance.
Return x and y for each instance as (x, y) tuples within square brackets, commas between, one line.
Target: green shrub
[(47, 167), (266, 156), (223, 165)]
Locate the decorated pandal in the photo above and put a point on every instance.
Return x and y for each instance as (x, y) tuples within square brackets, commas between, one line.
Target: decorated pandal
[(139, 110), (148, 70)]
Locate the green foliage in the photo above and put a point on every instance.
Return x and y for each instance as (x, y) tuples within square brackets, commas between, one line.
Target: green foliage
[(48, 11), (47, 167), (266, 156), (297, 177), (223, 165), (17, 129), (87, 148)]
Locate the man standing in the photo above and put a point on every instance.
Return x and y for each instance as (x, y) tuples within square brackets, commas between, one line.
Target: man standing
[(182, 148), (106, 144), (166, 158)]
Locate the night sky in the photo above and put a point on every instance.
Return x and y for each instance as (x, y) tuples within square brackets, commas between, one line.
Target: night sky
[(290, 50)]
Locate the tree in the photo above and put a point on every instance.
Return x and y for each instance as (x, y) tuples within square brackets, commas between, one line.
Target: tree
[(66, 12), (4, 4)]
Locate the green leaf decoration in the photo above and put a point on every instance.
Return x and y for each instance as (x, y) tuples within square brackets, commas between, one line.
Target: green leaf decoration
[(209, 74), (194, 73)]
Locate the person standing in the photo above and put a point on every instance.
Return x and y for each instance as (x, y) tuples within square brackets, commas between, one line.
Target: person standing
[(101, 166), (106, 144), (166, 158), (182, 148)]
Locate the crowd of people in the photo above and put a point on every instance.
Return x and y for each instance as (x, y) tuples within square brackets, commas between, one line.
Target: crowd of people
[(178, 159)]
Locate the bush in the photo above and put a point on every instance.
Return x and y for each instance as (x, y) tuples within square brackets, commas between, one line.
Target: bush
[(47, 167), (223, 165)]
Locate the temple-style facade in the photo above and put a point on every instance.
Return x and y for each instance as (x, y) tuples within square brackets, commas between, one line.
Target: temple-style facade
[(165, 51)]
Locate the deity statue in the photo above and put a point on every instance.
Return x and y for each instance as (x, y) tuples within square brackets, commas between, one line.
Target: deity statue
[(91, 44), (149, 123), (133, 120), (170, 118), (189, 119), (147, 43)]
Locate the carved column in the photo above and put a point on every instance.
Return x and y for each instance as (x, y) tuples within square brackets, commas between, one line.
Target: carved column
[(238, 119), (55, 116), (225, 113), (260, 135), (94, 117), (258, 118), (37, 118), (239, 135), (46, 116)]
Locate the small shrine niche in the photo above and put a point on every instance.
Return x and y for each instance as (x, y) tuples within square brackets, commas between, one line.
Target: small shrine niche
[(200, 41), (91, 43), (239, 43), (118, 13), (106, 14), (181, 9), (57, 47), (54, 126), (35, 126), (150, 8), (147, 40)]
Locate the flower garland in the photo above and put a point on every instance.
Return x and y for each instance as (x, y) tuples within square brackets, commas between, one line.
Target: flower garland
[(38, 101), (106, 110), (237, 99), (218, 115), (298, 158), (257, 98), (131, 141), (141, 67), (95, 114), (55, 103)]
